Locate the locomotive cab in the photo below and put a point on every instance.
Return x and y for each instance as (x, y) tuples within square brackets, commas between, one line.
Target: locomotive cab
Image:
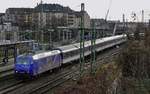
[(23, 64)]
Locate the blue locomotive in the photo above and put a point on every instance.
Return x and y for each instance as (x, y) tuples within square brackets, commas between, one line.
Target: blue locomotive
[(38, 63), (33, 65)]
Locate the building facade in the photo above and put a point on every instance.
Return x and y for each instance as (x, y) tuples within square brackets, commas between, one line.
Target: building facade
[(54, 15), (19, 16), (45, 16)]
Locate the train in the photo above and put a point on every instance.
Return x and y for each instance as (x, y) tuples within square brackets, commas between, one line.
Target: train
[(35, 64)]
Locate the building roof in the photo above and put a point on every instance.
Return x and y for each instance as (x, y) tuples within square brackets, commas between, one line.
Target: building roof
[(52, 8), (19, 10)]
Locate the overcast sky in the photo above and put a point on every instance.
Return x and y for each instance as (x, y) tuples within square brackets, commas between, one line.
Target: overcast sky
[(95, 8)]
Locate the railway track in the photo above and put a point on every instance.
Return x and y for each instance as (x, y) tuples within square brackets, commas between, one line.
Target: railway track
[(7, 90), (41, 86), (23, 86), (52, 83), (6, 73), (60, 80)]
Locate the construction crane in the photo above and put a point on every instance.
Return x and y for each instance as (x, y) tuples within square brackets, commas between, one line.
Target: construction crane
[(106, 16), (115, 28)]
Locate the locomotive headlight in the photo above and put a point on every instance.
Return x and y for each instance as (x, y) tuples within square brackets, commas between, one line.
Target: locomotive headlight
[(25, 63)]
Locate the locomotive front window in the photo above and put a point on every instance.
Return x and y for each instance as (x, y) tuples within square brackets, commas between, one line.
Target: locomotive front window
[(22, 61)]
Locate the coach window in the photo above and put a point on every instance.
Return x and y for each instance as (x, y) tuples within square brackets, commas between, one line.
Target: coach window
[(73, 52), (65, 55), (70, 54)]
